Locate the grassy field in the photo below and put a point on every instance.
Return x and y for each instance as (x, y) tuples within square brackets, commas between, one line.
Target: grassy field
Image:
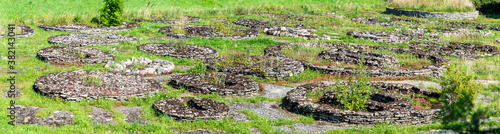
[(57, 12)]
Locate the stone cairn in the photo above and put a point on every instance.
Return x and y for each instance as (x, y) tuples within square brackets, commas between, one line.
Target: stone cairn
[(190, 109), (462, 50), (26, 31), (27, 115), (229, 84), (382, 107), (80, 40), (208, 32), (434, 69), (81, 28), (389, 37), (181, 51), (279, 67), (268, 28), (69, 55), (349, 56), (84, 84), (190, 19), (151, 67)]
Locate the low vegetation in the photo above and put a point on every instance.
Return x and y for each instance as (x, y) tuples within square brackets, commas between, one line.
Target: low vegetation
[(434, 5)]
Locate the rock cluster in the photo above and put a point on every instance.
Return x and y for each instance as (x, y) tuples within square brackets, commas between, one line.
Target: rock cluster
[(389, 37), (69, 55), (208, 32), (434, 69), (383, 107), (26, 31), (279, 67), (355, 57), (295, 32), (27, 115), (230, 84), (79, 40), (462, 50), (151, 67), (190, 19), (495, 28), (132, 114), (84, 84), (383, 21), (100, 116), (255, 24), (441, 15), (81, 28), (179, 51), (190, 109)]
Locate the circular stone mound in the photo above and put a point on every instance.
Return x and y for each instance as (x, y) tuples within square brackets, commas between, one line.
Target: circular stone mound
[(354, 57), (261, 66), (74, 55), (190, 109), (147, 66), (84, 84), (255, 24), (190, 19), (224, 84), (88, 29), (26, 31), (441, 15), (208, 32), (435, 69), (90, 39), (389, 37), (382, 107), (181, 51), (462, 50)]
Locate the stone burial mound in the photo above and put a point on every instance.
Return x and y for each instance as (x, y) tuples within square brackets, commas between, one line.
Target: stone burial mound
[(390, 37), (166, 20), (224, 84), (189, 51), (85, 84), (80, 40), (27, 115), (207, 32), (461, 50), (141, 66), (383, 21), (190, 109), (274, 29), (434, 69), (279, 67), (385, 106), (21, 31), (349, 56), (81, 28), (74, 55)]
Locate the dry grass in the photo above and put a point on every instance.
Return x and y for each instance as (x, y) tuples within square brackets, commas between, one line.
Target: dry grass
[(434, 5)]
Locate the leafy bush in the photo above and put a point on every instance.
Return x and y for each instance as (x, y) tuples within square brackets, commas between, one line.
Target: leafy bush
[(487, 6), (354, 94), (111, 13)]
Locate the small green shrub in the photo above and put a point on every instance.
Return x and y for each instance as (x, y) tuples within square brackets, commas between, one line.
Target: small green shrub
[(487, 6), (111, 13)]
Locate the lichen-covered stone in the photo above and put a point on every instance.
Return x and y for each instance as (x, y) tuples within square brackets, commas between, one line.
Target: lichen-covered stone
[(69, 55), (79, 40), (462, 50), (27, 115), (389, 37), (208, 32), (441, 15), (190, 109), (188, 51), (151, 67), (354, 57), (81, 28), (233, 85)]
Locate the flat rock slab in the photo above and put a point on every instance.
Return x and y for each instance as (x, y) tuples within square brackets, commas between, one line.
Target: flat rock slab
[(80, 40), (74, 55), (231, 85), (190, 109), (142, 66), (270, 110), (275, 91), (133, 114), (26, 115), (238, 116), (81, 28), (188, 51), (101, 116)]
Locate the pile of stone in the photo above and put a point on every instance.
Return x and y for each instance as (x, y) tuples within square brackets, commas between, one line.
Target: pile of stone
[(282, 16), (207, 32), (295, 32), (101, 116), (435, 69), (81, 28), (27, 115), (190, 109), (151, 67), (84, 84), (69, 55), (462, 50), (230, 84), (26, 31), (389, 21), (278, 67), (349, 56), (189, 19), (255, 24), (79, 40), (383, 107), (495, 28), (179, 51), (390, 37)]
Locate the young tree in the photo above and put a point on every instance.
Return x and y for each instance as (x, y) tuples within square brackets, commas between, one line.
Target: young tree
[(111, 13)]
